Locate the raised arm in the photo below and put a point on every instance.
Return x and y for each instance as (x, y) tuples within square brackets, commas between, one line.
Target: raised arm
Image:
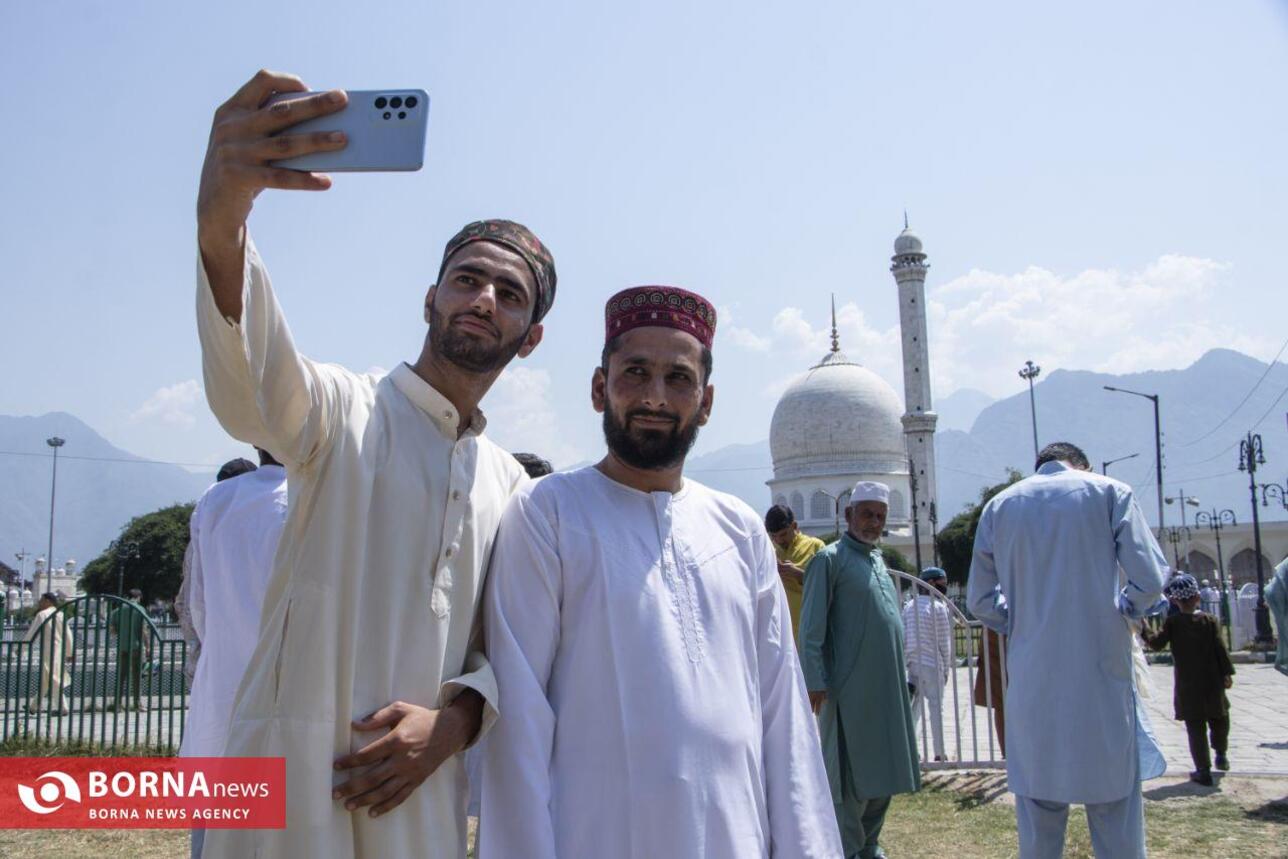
[(802, 822), (261, 390), (521, 622)]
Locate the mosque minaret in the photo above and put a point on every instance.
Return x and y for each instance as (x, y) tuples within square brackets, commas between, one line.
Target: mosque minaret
[(909, 266)]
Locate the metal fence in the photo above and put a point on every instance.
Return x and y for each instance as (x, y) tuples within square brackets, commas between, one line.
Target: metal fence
[(98, 670), (958, 702)]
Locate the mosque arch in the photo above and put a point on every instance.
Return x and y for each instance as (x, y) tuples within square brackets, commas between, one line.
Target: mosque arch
[(1243, 567), (820, 505), (1200, 564), (798, 505), (781, 501), (897, 510)]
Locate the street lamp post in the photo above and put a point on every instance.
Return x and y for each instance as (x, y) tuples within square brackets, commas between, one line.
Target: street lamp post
[(1158, 447), (1216, 520), (124, 552), (1252, 454), (55, 442), (1269, 490), (1030, 372), (1176, 536), (1105, 463), (1190, 501), (934, 532), (916, 531)]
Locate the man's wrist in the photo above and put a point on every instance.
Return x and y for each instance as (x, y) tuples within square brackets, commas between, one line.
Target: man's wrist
[(466, 717)]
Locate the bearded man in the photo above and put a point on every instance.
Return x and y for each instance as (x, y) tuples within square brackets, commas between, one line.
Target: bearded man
[(368, 657), (653, 702)]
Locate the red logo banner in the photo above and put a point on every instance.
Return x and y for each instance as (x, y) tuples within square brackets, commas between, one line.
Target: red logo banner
[(142, 793)]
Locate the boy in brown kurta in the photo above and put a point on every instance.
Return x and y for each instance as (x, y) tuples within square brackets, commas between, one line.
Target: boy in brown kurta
[(1203, 672)]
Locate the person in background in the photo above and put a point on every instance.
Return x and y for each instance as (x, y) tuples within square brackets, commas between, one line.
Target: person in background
[(133, 649), (1277, 602), (794, 551), (57, 645), (534, 465), (192, 652), (1210, 599), (851, 645), (928, 647), (235, 530), (1049, 554), (1203, 672)]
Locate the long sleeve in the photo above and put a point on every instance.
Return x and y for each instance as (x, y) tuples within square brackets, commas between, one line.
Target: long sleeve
[(521, 620), (1140, 558), (984, 595), (802, 822), (262, 391), (1224, 666), (476, 674), (1158, 640), (816, 603)]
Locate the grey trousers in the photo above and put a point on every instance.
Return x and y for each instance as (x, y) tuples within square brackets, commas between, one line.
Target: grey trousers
[(1117, 828)]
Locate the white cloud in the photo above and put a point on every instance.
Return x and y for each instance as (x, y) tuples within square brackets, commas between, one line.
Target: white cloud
[(984, 325), (522, 418), (173, 405), (742, 337)]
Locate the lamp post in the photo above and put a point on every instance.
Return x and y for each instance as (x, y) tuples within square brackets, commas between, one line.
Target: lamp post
[(1176, 536), (1216, 520), (1105, 463), (1269, 490), (1158, 447), (934, 532), (124, 552), (55, 442), (21, 556), (1030, 372), (1252, 454), (1184, 500), (916, 531)]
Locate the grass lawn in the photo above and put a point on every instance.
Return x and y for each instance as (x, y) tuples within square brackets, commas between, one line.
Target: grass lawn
[(958, 816)]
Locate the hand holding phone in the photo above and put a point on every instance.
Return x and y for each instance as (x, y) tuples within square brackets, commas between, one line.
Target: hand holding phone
[(385, 130)]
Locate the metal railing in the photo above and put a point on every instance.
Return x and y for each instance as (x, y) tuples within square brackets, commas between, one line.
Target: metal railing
[(95, 670), (976, 660)]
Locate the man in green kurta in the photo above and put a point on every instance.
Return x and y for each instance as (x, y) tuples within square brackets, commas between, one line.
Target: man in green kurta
[(851, 651)]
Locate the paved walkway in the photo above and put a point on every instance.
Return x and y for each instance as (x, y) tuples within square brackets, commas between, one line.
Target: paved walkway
[(1258, 723)]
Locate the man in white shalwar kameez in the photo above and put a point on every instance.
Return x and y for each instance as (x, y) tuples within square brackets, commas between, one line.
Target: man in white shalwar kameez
[(653, 703), (1063, 561), (56, 644), (368, 675), (235, 529)]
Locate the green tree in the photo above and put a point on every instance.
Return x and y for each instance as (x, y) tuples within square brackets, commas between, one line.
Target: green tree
[(956, 540), (161, 538)]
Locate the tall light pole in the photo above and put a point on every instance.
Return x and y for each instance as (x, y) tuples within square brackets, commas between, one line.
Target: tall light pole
[(22, 555), (1030, 372), (55, 443), (1184, 500), (1105, 463), (1216, 520), (1158, 448), (1279, 490), (916, 532), (1252, 454)]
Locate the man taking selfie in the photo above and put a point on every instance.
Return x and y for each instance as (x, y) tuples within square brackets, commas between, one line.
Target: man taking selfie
[(368, 676)]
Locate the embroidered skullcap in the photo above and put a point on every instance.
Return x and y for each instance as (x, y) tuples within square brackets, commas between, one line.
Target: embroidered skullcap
[(523, 242), (660, 306), (870, 490), (929, 574), (1182, 587)]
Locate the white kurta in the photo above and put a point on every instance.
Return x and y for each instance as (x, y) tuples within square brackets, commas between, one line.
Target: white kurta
[(652, 701), (1046, 573), (57, 642), (376, 583), (235, 529), (927, 635)]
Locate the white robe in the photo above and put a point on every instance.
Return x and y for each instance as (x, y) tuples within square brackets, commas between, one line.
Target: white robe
[(375, 587), (1046, 573), (653, 703), (57, 642), (235, 530)]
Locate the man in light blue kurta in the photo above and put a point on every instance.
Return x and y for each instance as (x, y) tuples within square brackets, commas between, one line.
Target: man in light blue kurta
[(851, 650), (1052, 553)]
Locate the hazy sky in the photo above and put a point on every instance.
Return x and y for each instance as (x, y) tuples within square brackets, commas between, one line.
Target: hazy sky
[(1099, 186)]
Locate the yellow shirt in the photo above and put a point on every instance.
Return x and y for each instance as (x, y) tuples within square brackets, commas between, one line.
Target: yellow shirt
[(798, 553)]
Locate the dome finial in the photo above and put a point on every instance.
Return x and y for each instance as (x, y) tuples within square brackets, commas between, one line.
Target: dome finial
[(836, 341), (905, 219)]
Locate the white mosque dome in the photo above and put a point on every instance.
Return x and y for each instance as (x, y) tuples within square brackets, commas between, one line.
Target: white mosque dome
[(907, 242), (837, 418)]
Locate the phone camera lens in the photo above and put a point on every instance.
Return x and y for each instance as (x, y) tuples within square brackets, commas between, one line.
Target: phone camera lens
[(410, 102), (386, 114), (395, 102), (380, 103), (402, 114)]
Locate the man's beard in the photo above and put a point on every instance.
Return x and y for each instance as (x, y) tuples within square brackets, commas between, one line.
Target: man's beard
[(650, 449), (466, 351)]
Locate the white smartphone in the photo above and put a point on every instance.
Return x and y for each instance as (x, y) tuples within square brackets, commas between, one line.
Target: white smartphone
[(385, 128)]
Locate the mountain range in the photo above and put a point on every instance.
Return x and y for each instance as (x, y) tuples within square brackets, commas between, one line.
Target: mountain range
[(1206, 409)]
